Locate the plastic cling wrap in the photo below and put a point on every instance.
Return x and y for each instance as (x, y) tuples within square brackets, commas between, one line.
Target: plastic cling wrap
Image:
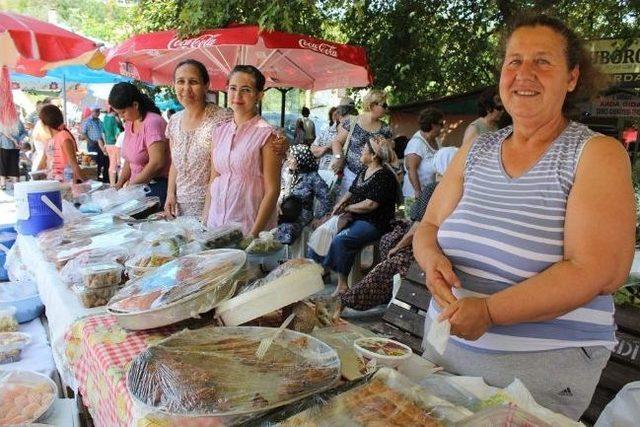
[(226, 236), (24, 397), (214, 372), (388, 399), (186, 286)]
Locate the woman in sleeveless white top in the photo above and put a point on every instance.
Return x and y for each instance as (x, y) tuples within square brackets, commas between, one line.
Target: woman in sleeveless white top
[(529, 233)]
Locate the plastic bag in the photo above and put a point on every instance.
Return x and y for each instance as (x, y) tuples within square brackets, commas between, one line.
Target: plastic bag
[(226, 236), (121, 236), (16, 267), (11, 345), (438, 335), (110, 198), (265, 244), (213, 372), (388, 398), (17, 387), (8, 322), (71, 273), (624, 409), (320, 240), (212, 271)]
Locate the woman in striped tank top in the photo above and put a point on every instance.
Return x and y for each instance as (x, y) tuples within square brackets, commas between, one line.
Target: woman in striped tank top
[(531, 231)]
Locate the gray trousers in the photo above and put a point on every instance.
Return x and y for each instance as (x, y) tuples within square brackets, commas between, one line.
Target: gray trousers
[(561, 380)]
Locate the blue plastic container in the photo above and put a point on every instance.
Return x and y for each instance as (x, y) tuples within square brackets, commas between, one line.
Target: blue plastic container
[(7, 239), (32, 213), (24, 297)]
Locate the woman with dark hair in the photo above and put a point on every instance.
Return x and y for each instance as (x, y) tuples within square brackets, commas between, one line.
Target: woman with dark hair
[(145, 148), (298, 135), (531, 230), (190, 139), (321, 147), (490, 110), (418, 156), (245, 168), (305, 184), (60, 152)]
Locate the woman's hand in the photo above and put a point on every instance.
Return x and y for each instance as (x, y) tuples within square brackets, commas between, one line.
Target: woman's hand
[(171, 206), (440, 279), (339, 208), (337, 166), (404, 243), (319, 221), (469, 317)]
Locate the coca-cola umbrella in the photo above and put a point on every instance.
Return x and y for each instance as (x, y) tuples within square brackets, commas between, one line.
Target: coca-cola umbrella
[(287, 60)]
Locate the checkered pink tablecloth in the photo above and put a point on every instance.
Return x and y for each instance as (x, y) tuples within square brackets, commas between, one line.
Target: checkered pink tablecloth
[(99, 352)]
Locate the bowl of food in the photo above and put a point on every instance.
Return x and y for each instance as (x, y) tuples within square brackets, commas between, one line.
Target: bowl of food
[(384, 351), (25, 397)]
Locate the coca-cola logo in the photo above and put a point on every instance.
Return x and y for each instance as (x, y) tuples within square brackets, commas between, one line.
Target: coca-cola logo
[(205, 40), (324, 48)]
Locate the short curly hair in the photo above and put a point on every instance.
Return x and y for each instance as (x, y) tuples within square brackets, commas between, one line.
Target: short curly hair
[(590, 81), (429, 117)]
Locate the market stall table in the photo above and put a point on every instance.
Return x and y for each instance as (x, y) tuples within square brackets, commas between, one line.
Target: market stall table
[(61, 304), (36, 356)]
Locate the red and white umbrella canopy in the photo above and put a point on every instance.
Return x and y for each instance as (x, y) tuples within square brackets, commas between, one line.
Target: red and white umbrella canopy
[(286, 60), (30, 46)]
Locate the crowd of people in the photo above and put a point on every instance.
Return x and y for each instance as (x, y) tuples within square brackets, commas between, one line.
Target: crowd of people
[(508, 228)]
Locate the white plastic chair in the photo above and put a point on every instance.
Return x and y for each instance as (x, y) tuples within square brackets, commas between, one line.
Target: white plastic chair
[(328, 176)]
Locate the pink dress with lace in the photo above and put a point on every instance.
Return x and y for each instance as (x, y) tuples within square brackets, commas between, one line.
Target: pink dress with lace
[(237, 192), (191, 157)]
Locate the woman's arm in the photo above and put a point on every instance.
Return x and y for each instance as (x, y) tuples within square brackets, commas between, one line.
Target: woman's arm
[(271, 177), (125, 174), (470, 134), (363, 207), (341, 203), (412, 162), (321, 194), (171, 203), (440, 277), (157, 158), (207, 197), (599, 241), (68, 147), (336, 147)]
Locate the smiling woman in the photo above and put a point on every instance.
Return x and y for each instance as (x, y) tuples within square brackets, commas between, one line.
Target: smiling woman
[(531, 231)]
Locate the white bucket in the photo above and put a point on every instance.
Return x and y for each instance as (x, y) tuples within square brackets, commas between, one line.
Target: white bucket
[(33, 212)]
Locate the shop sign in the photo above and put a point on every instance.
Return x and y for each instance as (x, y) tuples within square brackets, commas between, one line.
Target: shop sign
[(620, 105), (621, 63)]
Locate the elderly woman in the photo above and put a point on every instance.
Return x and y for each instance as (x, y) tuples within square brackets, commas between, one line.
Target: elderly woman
[(531, 231), (245, 168), (367, 208), (490, 110), (145, 149), (418, 156), (307, 186), (189, 132), (321, 147), (354, 134)]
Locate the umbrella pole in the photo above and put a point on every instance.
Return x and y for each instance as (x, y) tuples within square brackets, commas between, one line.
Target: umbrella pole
[(283, 99), (64, 99)]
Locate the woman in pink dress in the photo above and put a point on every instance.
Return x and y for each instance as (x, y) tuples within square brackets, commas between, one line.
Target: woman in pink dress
[(245, 168), (145, 147), (60, 152)]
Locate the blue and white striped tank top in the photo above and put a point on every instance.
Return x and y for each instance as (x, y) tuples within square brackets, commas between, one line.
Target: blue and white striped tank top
[(505, 230)]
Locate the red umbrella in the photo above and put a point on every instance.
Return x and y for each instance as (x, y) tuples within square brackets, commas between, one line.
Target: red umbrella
[(287, 60), (30, 46)]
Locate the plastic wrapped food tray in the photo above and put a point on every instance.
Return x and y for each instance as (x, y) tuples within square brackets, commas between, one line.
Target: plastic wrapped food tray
[(8, 322), (178, 290), (24, 297), (291, 282), (11, 345), (101, 275), (387, 399), (226, 236), (18, 387), (95, 297), (505, 415), (212, 374)]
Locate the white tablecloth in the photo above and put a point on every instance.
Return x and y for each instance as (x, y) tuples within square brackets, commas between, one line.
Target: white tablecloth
[(37, 355), (64, 414), (62, 305)]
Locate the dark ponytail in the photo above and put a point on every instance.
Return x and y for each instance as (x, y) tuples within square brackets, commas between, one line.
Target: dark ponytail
[(124, 94)]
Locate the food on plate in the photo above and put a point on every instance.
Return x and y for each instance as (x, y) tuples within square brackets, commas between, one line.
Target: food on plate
[(212, 270), (266, 243), (383, 347), (212, 371), (101, 275), (95, 297), (226, 236), (305, 320), (372, 404), (23, 401), (154, 260)]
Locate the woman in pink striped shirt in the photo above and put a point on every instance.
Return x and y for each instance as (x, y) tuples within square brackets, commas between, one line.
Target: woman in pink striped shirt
[(245, 168)]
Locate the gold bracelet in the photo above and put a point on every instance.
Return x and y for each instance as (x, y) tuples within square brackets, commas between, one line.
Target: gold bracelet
[(486, 304)]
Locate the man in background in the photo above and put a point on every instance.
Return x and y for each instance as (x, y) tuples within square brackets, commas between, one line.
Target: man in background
[(309, 127), (93, 131)]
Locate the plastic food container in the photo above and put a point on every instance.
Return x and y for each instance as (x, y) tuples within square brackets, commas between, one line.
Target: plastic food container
[(95, 297), (23, 296), (11, 345), (384, 351), (505, 415), (101, 275), (17, 387), (8, 321)]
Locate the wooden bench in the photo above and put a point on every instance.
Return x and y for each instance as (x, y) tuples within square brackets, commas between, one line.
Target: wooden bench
[(404, 321)]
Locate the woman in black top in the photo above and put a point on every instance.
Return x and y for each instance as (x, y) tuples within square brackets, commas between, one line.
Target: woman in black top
[(370, 204)]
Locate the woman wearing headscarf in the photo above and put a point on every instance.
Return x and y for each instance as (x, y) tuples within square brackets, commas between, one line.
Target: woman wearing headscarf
[(306, 185)]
